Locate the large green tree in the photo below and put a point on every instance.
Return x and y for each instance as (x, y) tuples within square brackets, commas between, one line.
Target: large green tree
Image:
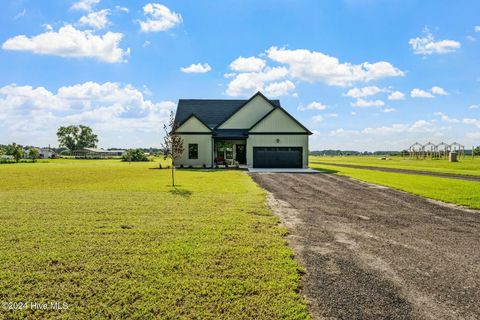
[(15, 150), (76, 137)]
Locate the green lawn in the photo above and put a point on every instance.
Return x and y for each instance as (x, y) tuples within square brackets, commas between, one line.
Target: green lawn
[(112, 240), (456, 191), (466, 166)]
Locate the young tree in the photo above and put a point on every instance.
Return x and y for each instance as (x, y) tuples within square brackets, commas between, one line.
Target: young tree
[(76, 137), (33, 154), (172, 144)]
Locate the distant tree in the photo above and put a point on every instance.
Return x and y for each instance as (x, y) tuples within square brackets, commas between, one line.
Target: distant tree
[(76, 137), (15, 150), (135, 155), (172, 146), (33, 154), (476, 151)]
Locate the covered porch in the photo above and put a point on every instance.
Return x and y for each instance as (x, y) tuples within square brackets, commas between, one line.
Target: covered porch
[(230, 147)]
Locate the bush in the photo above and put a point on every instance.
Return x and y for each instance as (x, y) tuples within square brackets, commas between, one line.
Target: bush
[(135, 155)]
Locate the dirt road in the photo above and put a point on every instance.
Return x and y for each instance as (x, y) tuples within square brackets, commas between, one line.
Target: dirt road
[(371, 252), (408, 171)]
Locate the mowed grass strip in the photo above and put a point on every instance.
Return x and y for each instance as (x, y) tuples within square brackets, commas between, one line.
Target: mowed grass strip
[(112, 240), (466, 193), (466, 166)]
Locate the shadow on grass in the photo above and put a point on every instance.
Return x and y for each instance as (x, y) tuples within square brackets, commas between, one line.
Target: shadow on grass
[(323, 170), (181, 192)]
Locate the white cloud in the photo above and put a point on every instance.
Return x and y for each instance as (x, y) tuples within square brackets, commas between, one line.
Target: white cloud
[(21, 14), (473, 122), (277, 89), (396, 95), (315, 66), (474, 106), (97, 20), (439, 91), (446, 118), (476, 28), (122, 9), (70, 42), (110, 108), (313, 106), (84, 5), (246, 84), (250, 64), (388, 110), (419, 93), (317, 119), (363, 92), (367, 103), (159, 18), (197, 68), (343, 133), (473, 135), (427, 45)]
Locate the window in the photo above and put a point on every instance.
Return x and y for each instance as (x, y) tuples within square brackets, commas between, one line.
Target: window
[(193, 151)]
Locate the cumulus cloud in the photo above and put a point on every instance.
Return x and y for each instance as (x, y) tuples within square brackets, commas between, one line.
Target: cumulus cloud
[(110, 108), (474, 106), (427, 45), (471, 121), (159, 18), (439, 91), (419, 93), (446, 118), (84, 5), (313, 106), (197, 68), (246, 84), (396, 95), (363, 92), (277, 89), (315, 66), (476, 28), (70, 42), (250, 64), (367, 103), (97, 20)]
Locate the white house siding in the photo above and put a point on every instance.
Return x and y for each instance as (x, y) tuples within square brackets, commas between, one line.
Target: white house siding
[(193, 125), (248, 115), (277, 121), (270, 140), (205, 145)]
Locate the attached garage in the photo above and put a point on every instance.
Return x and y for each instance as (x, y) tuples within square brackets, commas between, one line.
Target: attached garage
[(277, 157)]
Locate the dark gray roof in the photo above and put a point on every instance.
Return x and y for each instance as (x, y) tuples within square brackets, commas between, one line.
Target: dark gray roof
[(211, 112)]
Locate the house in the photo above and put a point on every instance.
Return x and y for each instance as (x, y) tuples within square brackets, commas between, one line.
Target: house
[(256, 132), (46, 153), (95, 153)]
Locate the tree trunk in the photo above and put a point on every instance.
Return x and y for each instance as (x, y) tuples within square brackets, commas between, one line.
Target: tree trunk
[(173, 176)]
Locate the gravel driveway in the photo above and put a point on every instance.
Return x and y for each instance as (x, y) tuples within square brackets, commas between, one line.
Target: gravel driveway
[(372, 252)]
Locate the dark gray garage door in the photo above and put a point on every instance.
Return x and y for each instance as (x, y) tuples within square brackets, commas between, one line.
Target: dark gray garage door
[(277, 157)]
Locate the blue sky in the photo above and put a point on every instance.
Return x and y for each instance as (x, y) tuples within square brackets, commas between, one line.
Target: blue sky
[(360, 74)]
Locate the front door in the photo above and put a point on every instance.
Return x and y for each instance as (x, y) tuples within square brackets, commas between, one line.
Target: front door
[(240, 151)]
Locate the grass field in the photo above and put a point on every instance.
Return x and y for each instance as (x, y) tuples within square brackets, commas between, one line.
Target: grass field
[(467, 166), (112, 240), (455, 191)]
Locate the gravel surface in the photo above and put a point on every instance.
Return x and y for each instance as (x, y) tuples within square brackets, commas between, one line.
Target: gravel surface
[(408, 171), (371, 252)]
